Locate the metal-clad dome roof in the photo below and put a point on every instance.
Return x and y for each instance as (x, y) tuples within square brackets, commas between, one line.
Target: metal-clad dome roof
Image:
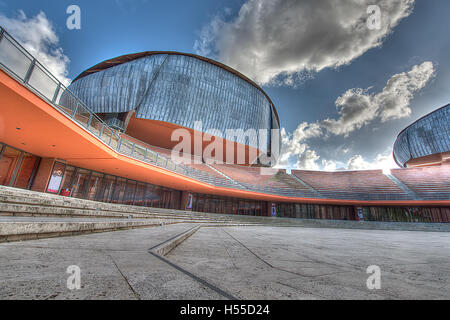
[(427, 136)]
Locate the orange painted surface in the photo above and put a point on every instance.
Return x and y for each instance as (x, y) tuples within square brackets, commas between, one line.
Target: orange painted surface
[(430, 161), (158, 133), (29, 123)]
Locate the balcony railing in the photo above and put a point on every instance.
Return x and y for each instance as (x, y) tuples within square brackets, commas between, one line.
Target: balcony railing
[(116, 124), (21, 65)]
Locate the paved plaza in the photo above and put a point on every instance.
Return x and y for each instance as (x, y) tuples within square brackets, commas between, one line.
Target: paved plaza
[(257, 262)]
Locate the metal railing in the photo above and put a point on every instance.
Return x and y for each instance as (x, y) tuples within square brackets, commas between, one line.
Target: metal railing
[(21, 65), (116, 124)]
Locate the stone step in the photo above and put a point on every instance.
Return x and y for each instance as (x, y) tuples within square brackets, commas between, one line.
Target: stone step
[(31, 206), (20, 231), (77, 216), (9, 194), (26, 207), (60, 206), (35, 219), (29, 215), (17, 196)]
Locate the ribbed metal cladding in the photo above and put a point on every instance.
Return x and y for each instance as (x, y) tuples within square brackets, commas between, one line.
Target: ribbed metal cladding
[(427, 136), (178, 89)]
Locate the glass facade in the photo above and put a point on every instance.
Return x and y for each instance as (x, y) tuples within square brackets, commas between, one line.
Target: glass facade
[(407, 214), (215, 204), (427, 136), (178, 89), (386, 214), (86, 184), (313, 211)]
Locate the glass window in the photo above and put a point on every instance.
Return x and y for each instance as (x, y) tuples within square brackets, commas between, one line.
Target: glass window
[(222, 206), (257, 209), (54, 185), (175, 199), (165, 199), (253, 208), (235, 207), (94, 185), (8, 162), (207, 205), (68, 177), (107, 189), (194, 202), (201, 204), (26, 171), (156, 197), (148, 196), (13, 58), (140, 195), (80, 183), (119, 190), (129, 192)]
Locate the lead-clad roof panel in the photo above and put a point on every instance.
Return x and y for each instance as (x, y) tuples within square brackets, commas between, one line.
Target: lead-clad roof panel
[(178, 89), (427, 136)]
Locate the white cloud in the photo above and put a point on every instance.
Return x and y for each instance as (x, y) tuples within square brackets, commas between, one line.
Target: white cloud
[(308, 160), (355, 108), (202, 46), (38, 36), (292, 144), (357, 163), (382, 161), (395, 98), (329, 165), (290, 38), (358, 107)]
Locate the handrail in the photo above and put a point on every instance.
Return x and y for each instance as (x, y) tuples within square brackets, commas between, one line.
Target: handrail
[(41, 81), (115, 123)]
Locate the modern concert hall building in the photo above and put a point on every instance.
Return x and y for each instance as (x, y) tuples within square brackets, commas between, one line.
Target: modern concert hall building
[(150, 94), (108, 137)]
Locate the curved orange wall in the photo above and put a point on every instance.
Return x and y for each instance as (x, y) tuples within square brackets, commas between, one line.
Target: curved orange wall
[(430, 161), (158, 133)]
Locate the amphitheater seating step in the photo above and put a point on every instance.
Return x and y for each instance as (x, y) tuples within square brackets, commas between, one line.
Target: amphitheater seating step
[(361, 183), (426, 182), (264, 178)]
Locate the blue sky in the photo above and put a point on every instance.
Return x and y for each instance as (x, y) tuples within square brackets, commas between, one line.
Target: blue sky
[(113, 28)]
